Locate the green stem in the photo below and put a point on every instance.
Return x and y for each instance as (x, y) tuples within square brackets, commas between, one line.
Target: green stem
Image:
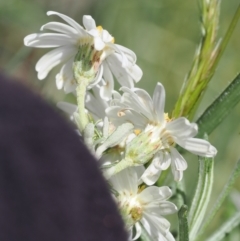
[(124, 163), (183, 223), (81, 92)]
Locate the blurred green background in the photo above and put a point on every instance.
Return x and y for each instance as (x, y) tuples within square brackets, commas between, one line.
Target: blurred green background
[(164, 34)]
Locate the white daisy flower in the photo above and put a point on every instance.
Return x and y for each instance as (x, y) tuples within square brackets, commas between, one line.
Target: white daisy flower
[(159, 133), (143, 205), (71, 41)]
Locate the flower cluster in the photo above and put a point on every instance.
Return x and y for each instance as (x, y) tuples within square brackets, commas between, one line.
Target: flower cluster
[(94, 44), (129, 133)]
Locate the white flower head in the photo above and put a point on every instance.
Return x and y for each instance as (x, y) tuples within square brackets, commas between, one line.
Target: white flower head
[(143, 205), (163, 133), (71, 41)]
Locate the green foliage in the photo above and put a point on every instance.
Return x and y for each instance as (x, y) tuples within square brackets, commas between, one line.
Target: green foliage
[(220, 108), (183, 223)]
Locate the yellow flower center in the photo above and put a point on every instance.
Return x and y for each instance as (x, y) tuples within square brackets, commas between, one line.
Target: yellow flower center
[(136, 213), (99, 28)]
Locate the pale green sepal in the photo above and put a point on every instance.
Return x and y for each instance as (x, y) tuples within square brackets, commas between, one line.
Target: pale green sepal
[(220, 108), (142, 149), (226, 190), (203, 195), (183, 223), (115, 138), (86, 64), (226, 228)]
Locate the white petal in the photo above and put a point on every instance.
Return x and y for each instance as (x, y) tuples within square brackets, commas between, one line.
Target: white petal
[(154, 194), (106, 37), (98, 44), (170, 237), (119, 115), (60, 27), (48, 40), (69, 20), (162, 160), (125, 180), (70, 85), (124, 60), (198, 146), (157, 227), (128, 52), (65, 76), (146, 100), (178, 160), (161, 208), (138, 231), (97, 78), (135, 72), (116, 95), (107, 88), (51, 59), (178, 174), (131, 99), (181, 128), (94, 33), (122, 76), (95, 104), (151, 175), (159, 101), (89, 22)]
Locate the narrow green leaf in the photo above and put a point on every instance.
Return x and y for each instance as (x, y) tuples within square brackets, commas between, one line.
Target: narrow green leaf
[(226, 190), (183, 223), (198, 192), (226, 228), (220, 108), (203, 196)]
